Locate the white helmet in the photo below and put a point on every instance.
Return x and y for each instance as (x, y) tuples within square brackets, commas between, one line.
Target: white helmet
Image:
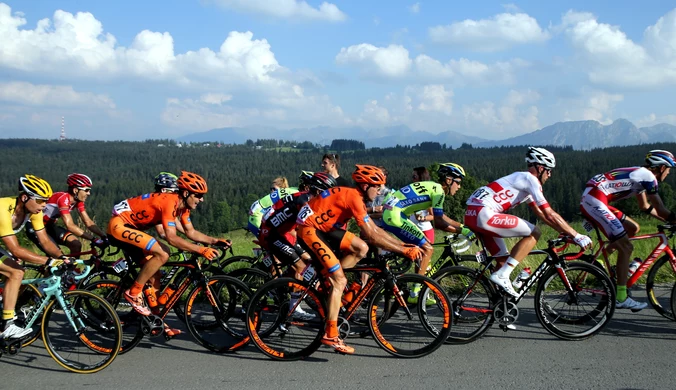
[(660, 157), (540, 156)]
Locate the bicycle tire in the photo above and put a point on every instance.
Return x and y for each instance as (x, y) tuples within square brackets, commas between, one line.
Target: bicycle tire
[(428, 326), (582, 313), (252, 277), (277, 334), (673, 299), (27, 302), (179, 306), (224, 329), (473, 309), (130, 320), (101, 339), (236, 262), (661, 279)]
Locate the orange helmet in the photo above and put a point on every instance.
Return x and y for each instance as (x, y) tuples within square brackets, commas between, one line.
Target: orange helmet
[(368, 174), (192, 182)]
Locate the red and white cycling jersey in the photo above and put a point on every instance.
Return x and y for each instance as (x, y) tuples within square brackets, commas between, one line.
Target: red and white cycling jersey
[(622, 183), (508, 192), (59, 204)]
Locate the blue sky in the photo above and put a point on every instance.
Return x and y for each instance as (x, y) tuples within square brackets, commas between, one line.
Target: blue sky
[(151, 69)]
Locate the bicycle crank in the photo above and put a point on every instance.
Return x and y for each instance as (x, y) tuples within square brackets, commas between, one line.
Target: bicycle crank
[(505, 314), (152, 325), (343, 327)]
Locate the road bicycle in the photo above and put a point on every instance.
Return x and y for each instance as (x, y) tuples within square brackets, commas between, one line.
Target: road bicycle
[(661, 270), (213, 307), (400, 328), (573, 299), (80, 330)]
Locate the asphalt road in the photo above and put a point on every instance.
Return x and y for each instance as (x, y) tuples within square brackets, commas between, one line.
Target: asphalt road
[(635, 351)]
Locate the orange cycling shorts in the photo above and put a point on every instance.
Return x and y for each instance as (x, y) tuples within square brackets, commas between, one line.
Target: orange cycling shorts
[(129, 235), (324, 245)]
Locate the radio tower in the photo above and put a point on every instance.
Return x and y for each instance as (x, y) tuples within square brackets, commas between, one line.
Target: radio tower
[(63, 129)]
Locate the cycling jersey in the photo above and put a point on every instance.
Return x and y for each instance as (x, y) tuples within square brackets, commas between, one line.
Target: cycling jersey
[(276, 233), (7, 223), (622, 183), (485, 207), (508, 192), (133, 216), (611, 186), (405, 202), (321, 219), (261, 206), (60, 204)]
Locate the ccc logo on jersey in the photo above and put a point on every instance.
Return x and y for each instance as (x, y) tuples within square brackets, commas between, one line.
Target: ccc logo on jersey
[(139, 216), (324, 217)]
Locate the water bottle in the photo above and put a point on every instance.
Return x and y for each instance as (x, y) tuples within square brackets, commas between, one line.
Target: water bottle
[(525, 274), (634, 266), (351, 292), (151, 298), (166, 294)]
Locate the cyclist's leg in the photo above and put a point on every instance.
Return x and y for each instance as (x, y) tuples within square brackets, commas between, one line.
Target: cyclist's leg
[(353, 248), (314, 240), (63, 237), (13, 272)]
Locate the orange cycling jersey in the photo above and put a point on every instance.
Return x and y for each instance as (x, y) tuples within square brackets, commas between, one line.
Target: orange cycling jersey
[(146, 211), (332, 208)]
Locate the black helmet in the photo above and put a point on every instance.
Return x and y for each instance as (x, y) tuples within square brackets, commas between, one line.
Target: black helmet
[(321, 181), (166, 180)]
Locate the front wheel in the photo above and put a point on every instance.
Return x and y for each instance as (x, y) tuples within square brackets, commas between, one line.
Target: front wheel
[(575, 302), (81, 344), (673, 299), (215, 313), (661, 280), (410, 328)]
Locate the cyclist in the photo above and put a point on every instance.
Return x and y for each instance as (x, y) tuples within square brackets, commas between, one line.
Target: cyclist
[(422, 195), (318, 231), (15, 214), (60, 205), (166, 182), (622, 183), (133, 216), (262, 205), (486, 207), (278, 231)]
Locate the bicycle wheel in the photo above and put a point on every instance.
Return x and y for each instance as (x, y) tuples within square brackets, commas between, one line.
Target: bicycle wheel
[(275, 331), (673, 299), (472, 297), (236, 262), (95, 343), (218, 324), (410, 330), (130, 320), (252, 277), (661, 280), (576, 314)]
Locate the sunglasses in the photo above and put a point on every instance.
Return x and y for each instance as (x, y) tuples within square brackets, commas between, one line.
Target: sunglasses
[(87, 190), (198, 196), (458, 182), (39, 201)]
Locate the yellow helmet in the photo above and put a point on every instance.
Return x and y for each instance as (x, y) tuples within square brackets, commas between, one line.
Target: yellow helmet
[(35, 187), (451, 170)]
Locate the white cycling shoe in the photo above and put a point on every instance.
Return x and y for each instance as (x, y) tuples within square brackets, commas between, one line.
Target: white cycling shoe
[(505, 283)]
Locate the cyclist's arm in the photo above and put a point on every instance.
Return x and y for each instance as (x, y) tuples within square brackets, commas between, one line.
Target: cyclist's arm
[(90, 224), (160, 229), (12, 245), (174, 240), (553, 219), (443, 222), (380, 238), (73, 228), (653, 205), (198, 236)]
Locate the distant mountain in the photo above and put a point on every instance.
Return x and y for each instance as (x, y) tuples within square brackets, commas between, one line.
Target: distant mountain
[(384, 137), (579, 134), (584, 135)]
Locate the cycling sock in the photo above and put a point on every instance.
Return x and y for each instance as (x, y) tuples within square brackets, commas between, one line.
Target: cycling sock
[(621, 293), (332, 328), (293, 300), (135, 289), (7, 315), (415, 290), (506, 270)]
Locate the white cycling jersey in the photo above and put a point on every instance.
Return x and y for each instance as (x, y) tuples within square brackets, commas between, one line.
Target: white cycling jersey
[(508, 192), (622, 183)]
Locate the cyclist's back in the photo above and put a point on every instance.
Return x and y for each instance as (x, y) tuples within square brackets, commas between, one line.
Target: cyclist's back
[(333, 208), (508, 192)]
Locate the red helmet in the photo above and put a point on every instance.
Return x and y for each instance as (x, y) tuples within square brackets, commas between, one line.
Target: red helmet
[(368, 174), (192, 182), (79, 180)]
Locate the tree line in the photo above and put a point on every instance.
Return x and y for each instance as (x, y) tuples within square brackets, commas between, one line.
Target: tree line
[(238, 175)]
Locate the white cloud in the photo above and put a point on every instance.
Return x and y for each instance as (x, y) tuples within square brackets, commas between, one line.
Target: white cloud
[(611, 58), (215, 98), (497, 33), (653, 119), (286, 9), (592, 105), (515, 115), (393, 61), (414, 8), (436, 98), (51, 96)]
